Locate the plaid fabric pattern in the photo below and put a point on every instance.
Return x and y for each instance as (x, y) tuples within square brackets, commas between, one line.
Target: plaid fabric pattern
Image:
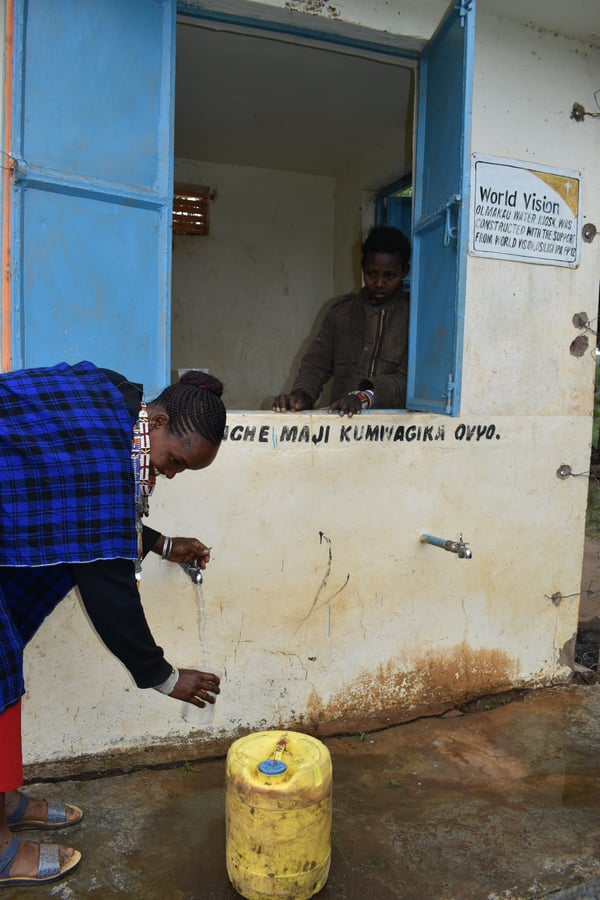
[(27, 596), (67, 495), (67, 492)]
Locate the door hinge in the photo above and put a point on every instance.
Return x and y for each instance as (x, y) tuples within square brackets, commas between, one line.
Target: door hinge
[(19, 167), (463, 7)]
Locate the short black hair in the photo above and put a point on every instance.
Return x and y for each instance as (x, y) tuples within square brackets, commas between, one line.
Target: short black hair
[(385, 239)]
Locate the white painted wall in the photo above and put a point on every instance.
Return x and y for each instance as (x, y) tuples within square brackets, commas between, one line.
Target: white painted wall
[(519, 317), (320, 604), (245, 297)]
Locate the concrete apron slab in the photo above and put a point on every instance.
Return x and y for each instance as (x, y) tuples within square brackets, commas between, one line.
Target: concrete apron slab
[(501, 803)]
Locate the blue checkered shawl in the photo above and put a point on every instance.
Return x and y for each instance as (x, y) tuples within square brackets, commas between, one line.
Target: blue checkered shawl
[(67, 495)]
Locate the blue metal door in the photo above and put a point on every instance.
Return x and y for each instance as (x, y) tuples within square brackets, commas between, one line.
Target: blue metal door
[(441, 206), (92, 149)]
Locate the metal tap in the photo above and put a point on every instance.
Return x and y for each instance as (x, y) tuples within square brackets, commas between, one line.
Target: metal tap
[(462, 550), (193, 570)]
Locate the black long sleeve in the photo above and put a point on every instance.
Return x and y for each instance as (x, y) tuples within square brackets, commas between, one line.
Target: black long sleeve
[(149, 539), (110, 595)]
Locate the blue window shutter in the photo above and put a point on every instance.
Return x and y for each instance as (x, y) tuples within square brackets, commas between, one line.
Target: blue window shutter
[(440, 218), (399, 214), (92, 140)]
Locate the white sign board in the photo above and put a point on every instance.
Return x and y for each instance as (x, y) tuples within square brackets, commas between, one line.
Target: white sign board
[(524, 212)]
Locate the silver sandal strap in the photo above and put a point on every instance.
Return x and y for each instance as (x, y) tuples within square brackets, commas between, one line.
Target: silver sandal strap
[(49, 864), (57, 814)]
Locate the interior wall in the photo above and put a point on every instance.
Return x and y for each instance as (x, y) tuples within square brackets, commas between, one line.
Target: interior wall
[(355, 190), (291, 161), (245, 298)]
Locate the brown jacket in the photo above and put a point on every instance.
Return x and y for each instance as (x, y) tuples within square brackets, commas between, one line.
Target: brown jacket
[(358, 342)]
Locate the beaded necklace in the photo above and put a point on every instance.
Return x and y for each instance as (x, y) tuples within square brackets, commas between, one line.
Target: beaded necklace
[(145, 477)]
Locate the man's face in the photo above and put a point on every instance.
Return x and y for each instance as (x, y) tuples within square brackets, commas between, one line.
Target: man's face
[(170, 454), (383, 274)]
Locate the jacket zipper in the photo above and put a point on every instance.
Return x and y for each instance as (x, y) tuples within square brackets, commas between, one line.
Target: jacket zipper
[(377, 343)]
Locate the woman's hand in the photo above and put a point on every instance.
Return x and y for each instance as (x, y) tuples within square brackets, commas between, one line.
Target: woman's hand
[(186, 550), (197, 688)]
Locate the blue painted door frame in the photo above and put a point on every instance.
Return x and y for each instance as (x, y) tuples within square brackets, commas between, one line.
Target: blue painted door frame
[(441, 214), (93, 150)]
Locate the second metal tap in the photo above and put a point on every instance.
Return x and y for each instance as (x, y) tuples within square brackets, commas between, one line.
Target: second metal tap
[(462, 550)]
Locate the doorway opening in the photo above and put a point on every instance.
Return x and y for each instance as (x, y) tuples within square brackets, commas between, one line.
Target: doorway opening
[(293, 142)]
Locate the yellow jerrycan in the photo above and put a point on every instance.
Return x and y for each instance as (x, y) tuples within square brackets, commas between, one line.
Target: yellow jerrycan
[(278, 815)]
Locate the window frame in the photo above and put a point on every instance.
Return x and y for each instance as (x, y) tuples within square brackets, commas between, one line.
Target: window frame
[(442, 394)]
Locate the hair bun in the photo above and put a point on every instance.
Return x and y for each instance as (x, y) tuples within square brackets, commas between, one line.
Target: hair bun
[(202, 381)]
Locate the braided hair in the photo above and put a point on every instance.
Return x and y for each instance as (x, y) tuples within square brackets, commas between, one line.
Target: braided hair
[(194, 406)]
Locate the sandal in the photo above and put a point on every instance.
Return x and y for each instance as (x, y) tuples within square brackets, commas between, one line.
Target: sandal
[(56, 816), (49, 867)]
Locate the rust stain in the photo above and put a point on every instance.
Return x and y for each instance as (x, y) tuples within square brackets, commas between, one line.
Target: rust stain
[(436, 681)]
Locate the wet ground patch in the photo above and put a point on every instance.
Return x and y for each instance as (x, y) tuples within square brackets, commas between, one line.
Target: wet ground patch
[(587, 647), (491, 701)]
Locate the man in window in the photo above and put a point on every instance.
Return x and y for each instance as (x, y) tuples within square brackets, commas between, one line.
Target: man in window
[(363, 342)]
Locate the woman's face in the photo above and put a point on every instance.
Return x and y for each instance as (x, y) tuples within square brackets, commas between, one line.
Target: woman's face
[(171, 454)]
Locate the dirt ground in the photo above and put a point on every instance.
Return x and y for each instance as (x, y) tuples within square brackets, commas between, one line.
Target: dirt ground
[(499, 800), (498, 803), (587, 646)]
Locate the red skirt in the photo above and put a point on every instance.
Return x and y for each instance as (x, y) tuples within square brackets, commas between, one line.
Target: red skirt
[(11, 757)]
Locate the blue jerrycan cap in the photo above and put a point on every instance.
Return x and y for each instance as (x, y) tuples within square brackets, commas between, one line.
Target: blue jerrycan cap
[(272, 767)]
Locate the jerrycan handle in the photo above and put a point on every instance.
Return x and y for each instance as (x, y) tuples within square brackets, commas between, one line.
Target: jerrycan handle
[(274, 765)]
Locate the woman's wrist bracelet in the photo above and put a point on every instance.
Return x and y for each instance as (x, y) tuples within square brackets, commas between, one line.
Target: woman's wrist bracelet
[(367, 398), (166, 547)]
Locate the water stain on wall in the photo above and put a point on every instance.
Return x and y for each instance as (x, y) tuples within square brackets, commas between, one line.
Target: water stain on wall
[(436, 681)]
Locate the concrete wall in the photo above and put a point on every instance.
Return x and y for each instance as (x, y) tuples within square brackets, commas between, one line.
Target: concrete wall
[(519, 317), (321, 605)]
